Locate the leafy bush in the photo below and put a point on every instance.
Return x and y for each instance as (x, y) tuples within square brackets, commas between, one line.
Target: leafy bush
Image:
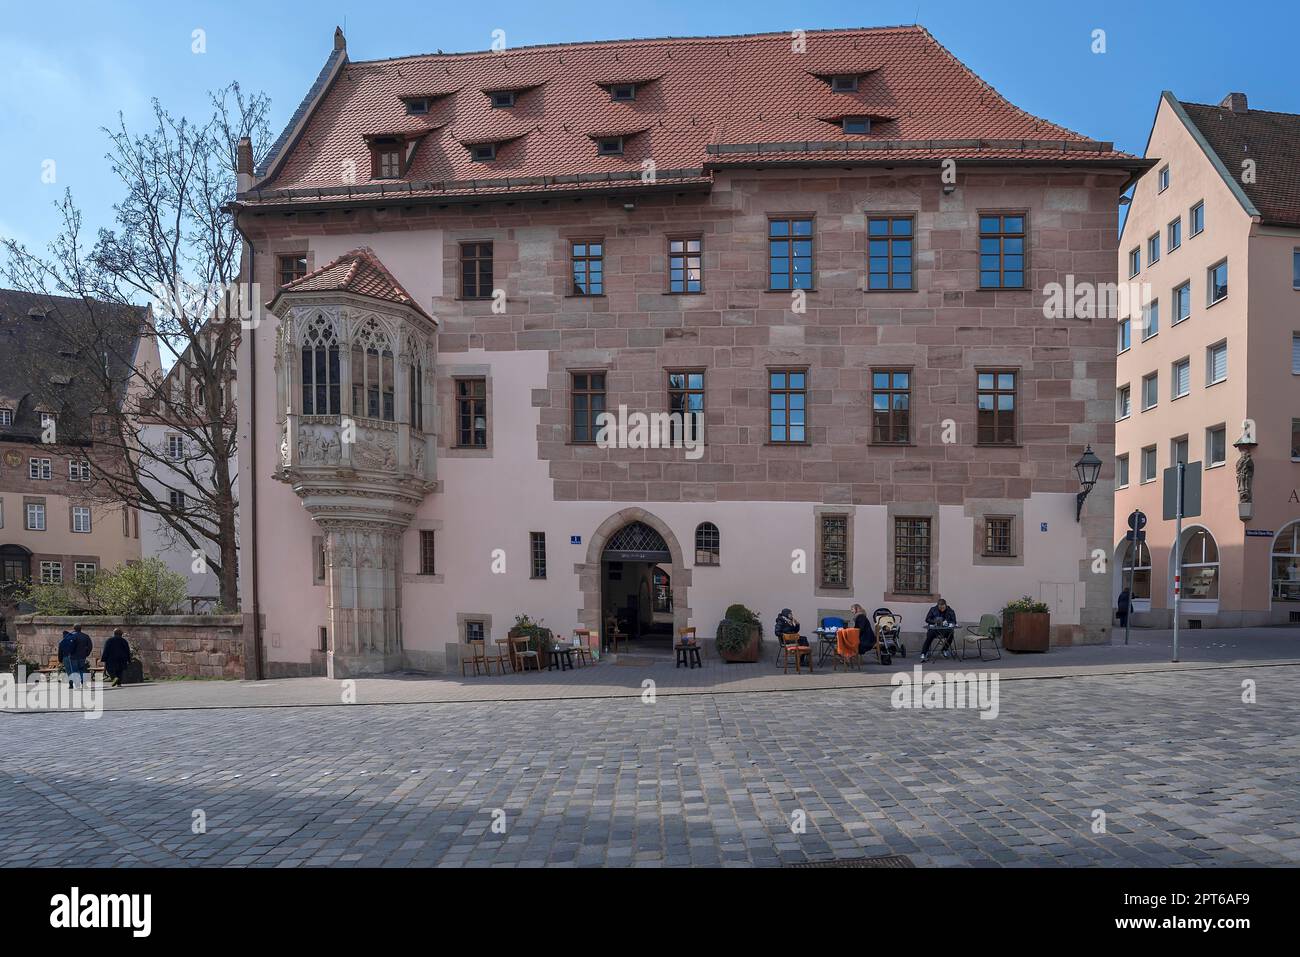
[(61, 599), (147, 587), (1025, 604), (734, 635), (739, 613)]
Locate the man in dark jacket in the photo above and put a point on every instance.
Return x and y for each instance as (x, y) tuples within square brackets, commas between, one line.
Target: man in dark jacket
[(940, 622), (82, 648), (115, 656), (1122, 606), (67, 653)]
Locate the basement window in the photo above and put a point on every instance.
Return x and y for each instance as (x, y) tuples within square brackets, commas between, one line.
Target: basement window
[(483, 152), (845, 83), (610, 146), (857, 124), (623, 91), (502, 99)]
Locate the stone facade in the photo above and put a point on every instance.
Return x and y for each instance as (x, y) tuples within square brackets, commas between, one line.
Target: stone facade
[(169, 646), (736, 330)]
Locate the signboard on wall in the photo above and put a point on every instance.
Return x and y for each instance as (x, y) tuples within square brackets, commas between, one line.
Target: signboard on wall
[(1260, 533)]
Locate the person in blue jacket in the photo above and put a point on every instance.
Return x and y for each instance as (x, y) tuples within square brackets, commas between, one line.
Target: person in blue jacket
[(940, 622)]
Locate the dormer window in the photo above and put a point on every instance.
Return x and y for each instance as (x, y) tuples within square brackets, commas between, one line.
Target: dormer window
[(844, 83), (610, 146), (857, 124), (622, 91), (502, 98), (387, 158), (483, 152), (417, 106)]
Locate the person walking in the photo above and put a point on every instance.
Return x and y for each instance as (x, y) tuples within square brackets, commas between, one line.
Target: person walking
[(82, 649), (67, 646), (940, 622), (115, 656), (1122, 607)]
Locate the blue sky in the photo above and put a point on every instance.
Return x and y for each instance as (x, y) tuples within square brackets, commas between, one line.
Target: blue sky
[(67, 67)]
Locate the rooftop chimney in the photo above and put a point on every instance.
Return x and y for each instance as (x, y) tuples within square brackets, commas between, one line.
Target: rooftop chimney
[(340, 41), (1235, 102), (244, 164)]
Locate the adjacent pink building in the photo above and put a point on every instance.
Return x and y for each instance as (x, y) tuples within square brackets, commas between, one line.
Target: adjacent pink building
[(1213, 232), (833, 246)]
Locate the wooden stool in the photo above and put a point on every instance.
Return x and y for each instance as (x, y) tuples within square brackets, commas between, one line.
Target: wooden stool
[(688, 655)]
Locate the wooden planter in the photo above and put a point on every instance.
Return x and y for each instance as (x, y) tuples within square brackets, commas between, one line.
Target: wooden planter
[(1026, 631), (749, 652)]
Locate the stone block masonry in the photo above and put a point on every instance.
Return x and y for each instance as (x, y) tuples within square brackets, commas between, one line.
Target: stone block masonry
[(169, 646)]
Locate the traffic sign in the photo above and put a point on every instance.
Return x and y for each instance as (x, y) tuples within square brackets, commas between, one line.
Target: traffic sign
[(1137, 519), (1191, 491)]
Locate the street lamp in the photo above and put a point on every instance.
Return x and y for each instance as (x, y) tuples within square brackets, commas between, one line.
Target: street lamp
[(1087, 468)]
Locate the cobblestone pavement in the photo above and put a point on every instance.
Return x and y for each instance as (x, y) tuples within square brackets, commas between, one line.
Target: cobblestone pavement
[(1185, 772)]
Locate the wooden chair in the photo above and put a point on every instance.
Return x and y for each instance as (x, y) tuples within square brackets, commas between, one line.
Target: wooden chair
[(798, 652), (497, 654), (847, 649), (783, 643), (521, 653), (477, 655), (987, 630), (583, 651)]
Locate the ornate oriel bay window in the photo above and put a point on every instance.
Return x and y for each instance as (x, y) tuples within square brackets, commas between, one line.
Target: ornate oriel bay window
[(353, 398)]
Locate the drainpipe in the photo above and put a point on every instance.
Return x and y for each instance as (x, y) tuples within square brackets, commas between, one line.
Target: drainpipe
[(249, 509)]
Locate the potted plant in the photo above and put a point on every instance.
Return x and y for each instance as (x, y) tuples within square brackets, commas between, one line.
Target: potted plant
[(739, 635), (1026, 625), (539, 638)]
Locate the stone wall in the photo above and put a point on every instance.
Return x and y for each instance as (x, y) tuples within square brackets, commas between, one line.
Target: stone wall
[(170, 646)]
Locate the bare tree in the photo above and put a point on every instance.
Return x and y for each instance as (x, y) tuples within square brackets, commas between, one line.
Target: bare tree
[(173, 246)]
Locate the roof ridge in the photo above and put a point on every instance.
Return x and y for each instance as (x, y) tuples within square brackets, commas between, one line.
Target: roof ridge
[(646, 41), (1249, 110)]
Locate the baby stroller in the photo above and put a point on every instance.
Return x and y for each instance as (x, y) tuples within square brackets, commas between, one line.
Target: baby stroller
[(889, 631)]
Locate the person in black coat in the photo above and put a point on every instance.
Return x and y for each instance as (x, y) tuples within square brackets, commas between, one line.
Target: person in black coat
[(115, 656), (866, 634), (1121, 607), (940, 622)]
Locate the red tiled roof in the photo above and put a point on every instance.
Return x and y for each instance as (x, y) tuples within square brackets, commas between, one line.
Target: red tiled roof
[(1272, 140), (359, 272), (707, 92)]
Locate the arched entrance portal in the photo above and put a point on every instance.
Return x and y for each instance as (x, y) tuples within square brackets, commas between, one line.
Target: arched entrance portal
[(630, 549)]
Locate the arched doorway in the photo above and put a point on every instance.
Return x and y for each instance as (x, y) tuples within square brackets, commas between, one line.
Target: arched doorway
[(626, 549)]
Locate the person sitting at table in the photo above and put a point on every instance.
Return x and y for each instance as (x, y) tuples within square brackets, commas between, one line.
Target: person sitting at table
[(866, 634), (786, 624), (940, 622)]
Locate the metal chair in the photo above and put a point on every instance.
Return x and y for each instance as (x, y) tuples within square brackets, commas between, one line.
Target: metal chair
[(988, 630)]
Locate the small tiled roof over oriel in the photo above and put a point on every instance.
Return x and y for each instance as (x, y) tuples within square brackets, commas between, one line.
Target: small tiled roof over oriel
[(699, 104), (1237, 133), (359, 272)]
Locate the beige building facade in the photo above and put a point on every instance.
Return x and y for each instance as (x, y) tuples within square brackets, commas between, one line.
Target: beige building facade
[(1208, 370)]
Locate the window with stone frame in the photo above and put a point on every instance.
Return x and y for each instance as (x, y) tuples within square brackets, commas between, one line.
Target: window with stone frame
[(890, 253), (891, 406), (833, 546), (686, 403), (319, 369), (471, 413), (787, 406), (373, 383), (537, 554), (996, 406), (476, 270), (587, 402), (428, 553), (999, 536), (708, 544), (588, 265), (790, 253), (291, 266), (1002, 241), (475, 630), (685, 265), (912, 554), (51, 573)]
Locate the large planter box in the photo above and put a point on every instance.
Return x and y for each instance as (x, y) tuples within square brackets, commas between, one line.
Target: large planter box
[(1026, 631), (750, 652)]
